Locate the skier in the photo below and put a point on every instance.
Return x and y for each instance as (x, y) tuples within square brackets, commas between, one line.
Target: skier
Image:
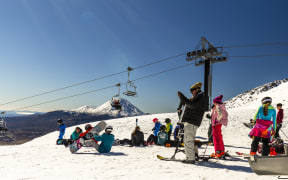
[(219, 118), (106, 139), (264, 128), (137, 137), (192, 118), (152, 139), (162, 136), (279, 119), (169, 127), (76, 133), (61, 127)]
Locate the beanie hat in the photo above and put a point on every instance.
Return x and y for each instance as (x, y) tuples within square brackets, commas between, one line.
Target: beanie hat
[(218, 99), (197, 86), (155, 119), (266, 100)]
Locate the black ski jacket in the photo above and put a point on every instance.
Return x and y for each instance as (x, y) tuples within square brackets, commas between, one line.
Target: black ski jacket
[(137, 138), (195, 108)]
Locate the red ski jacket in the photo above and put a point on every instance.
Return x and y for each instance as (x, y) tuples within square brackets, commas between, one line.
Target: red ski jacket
[(280, 116)]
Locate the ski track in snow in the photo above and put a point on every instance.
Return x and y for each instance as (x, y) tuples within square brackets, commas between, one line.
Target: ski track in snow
[(41, 158)]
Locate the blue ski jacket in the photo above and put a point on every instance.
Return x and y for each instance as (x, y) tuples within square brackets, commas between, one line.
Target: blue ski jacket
[(62, 128), (75, 135), (106, 142), (162, 137), (156, 128), (271, 116)]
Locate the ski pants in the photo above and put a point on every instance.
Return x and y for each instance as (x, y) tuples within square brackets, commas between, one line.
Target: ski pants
[(210, 136), (277, 130), (92, 143), (218, 138), (265, 147), (189, 138)]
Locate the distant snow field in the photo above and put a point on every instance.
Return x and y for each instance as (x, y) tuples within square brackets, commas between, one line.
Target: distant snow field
[(41, 158)]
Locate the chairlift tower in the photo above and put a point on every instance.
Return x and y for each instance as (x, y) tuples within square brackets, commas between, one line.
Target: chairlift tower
[(206, 54)]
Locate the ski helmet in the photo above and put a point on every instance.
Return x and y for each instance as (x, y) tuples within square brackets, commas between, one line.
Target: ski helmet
[(167, 120), (266, 100), (109, 129), (59, 121), (162, 128), (155, 119), (88, 126)]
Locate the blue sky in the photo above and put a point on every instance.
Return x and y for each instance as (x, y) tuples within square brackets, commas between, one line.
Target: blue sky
[(49, 44)]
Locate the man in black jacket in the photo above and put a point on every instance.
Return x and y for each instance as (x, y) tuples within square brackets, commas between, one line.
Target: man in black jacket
[(191, 116)]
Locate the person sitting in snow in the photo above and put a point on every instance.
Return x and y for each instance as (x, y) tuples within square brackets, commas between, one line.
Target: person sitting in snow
[(152, 139), (76, 133), (106, 139), (219, 118), (137, 137), (162, 136), (264, 128), (169, 127), (61, 127)]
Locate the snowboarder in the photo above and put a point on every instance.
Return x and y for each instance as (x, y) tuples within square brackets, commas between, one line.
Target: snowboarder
[(264, 128), (162, 136), (152, 139), (279, 119), (169, 127), (219, 118), (192, 118), (76, 133), (106, 139), (61, 127), (137, 137)]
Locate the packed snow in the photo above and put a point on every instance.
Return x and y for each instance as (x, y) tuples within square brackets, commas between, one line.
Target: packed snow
[(43, 159)]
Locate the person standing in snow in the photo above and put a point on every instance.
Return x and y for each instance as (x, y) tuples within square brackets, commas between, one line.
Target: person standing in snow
[(219, 117), (264, 128), (194, 109), (279, 119), (61, 127), (106, 139), (152, 139), (169, 127)]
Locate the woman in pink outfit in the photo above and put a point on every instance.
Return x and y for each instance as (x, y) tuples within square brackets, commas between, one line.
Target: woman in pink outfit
[(219, 117)]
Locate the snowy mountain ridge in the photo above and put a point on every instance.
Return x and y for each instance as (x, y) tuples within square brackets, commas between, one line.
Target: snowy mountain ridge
[(277, 90), (128, 109)]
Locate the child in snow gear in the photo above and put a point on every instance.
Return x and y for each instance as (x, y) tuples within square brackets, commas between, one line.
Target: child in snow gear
[(264, 128), (162, 136), (76, 133), (152, 139), (191, 116), (137, 137), (219, 118), (169, 127), (61, 127), (279, 120), (106, 139)]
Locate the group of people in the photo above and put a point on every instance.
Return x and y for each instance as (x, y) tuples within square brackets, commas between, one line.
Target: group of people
[(191, 111), (87, 138)]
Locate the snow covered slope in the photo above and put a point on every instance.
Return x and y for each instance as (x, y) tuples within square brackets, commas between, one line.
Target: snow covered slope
[(42, 159), (277, 90), (128, 109)]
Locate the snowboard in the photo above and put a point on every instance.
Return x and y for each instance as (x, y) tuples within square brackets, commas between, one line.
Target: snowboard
[(248, 125), (181, 160), (76, 145)]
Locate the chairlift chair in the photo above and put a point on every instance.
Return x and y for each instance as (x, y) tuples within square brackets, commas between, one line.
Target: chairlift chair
[(115, 101), (130, 87)]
